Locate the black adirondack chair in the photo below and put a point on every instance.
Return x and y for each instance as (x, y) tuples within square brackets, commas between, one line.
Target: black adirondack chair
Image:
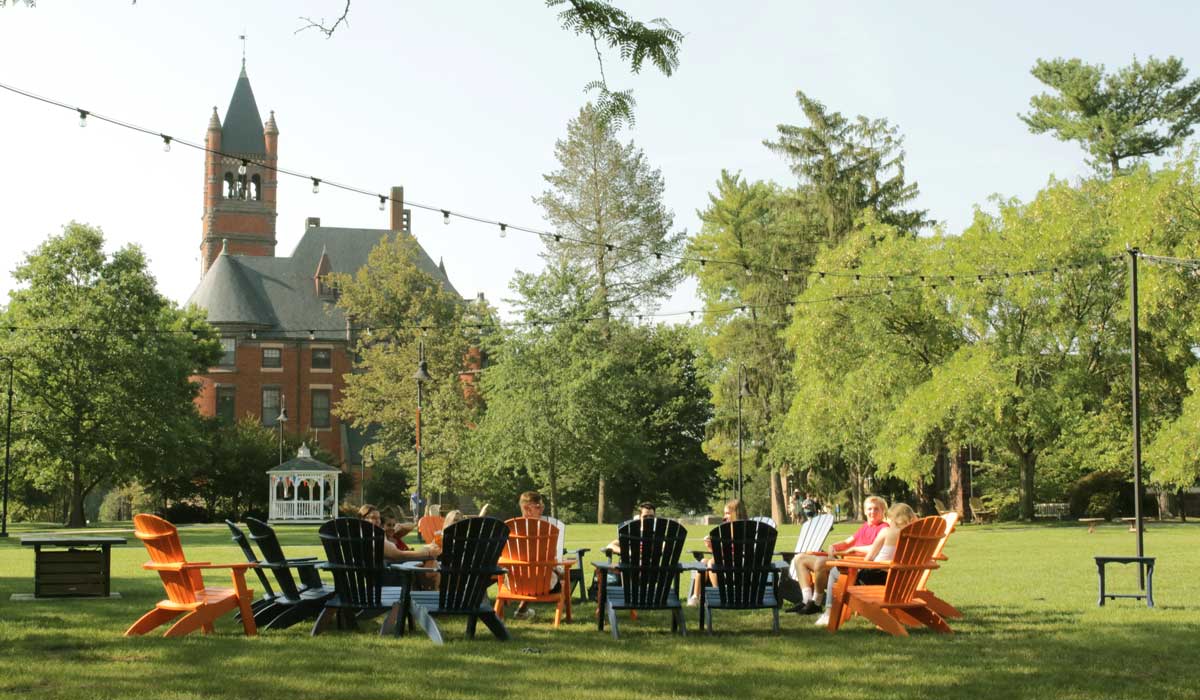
[(466, 567), (743, 552), (354, 553), (264, 607), (293, 603), (649, 570)]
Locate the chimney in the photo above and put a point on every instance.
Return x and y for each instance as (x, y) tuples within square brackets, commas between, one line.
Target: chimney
[(397, 209), (312, 222)]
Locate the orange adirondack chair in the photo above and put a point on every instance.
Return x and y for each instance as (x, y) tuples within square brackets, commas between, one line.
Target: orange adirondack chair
[(530, 555), (184, 584), (933, 602), (894, 604), (429, 526)]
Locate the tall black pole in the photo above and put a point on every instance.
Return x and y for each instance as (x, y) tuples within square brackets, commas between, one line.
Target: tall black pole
[(7, 446), (1137, 416), (741, 391), (422, 376)]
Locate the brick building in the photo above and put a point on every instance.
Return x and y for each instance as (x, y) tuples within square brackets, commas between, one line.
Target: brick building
[(285, 344)]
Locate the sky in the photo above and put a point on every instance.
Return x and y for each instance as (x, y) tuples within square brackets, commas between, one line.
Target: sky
[(461, 104)]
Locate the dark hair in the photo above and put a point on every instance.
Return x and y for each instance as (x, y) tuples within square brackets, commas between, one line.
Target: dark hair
[(646, 505)]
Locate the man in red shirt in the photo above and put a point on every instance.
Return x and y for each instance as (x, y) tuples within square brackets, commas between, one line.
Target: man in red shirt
[(812, 566)]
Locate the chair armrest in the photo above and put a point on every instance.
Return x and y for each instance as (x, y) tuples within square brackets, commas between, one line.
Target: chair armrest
[(883, 565), (606, 565), (695, 566), (699, 554), (301, 560), (412, 565), (206, 565), (306, 563), (579, 552)]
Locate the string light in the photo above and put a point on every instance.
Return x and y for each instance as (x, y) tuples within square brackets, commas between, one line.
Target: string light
[(382, 202), (312, 335), (785, 275), (609, 247), (749, 272), (445, 217), (253, 334), (503, 230), (166, 143), (84, 114)]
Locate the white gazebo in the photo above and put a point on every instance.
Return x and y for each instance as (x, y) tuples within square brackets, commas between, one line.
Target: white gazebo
[(303, 490)]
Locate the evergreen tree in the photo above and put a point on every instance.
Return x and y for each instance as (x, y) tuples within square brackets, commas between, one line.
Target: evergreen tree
[(1141, 110)]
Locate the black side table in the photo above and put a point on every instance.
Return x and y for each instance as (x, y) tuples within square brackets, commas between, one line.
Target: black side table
[(71, 566), (1146, 563)]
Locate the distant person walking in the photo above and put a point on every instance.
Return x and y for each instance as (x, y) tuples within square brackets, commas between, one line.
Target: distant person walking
[(793, 508)]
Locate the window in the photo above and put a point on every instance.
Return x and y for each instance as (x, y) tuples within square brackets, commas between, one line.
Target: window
[(320, 408), (272, 357), (255, 187), (228, 352), (225, 406), (321, 358), (270, 405)]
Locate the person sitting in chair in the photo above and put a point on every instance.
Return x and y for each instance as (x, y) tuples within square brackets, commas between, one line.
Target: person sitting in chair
[(645, 510), (811, 567), (734, 510), (394, 548), (532, 506), (882, 549)]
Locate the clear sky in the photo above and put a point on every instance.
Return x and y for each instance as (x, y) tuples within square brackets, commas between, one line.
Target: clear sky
[(461, 104)]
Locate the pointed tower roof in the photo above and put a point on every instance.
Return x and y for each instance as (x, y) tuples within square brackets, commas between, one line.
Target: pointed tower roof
[(243, 130)]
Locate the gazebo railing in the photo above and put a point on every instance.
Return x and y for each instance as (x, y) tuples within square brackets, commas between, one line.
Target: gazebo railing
[(298, 510)]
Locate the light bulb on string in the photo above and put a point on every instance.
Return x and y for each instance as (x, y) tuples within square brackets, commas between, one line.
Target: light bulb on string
[(503, 230), (446, 217), (382, 202), (316, 185), (166, 143), (785, 275), (557, 238), (608, 247), (703, 262), (253, 334), (749, 272), (242, 167), (312, 335), (83, 115)]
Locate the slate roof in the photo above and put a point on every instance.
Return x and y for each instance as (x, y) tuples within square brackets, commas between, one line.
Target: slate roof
[(243, 130), (268, 294)]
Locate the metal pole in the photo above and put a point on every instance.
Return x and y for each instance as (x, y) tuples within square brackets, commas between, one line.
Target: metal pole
[(741, 383), (420, 493), (1137, 417), (7, 446)]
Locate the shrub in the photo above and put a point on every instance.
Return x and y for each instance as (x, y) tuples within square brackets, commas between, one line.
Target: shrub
[(182, 512), (1102, 505), (1111, 483)]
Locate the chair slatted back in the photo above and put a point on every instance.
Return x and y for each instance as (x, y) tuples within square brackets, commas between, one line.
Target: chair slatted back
[(467, 564), (742, 554), (354, 550), (239, 538), (429, 526), (951, 519), (162, 542), (650, 549), (916, 546), (813, 533), (533, 542), (264, 536)]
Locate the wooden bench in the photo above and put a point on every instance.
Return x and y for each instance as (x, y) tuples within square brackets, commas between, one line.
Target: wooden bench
[(1133, 523), (1051, 510), (1091, 523), (1145, 564)]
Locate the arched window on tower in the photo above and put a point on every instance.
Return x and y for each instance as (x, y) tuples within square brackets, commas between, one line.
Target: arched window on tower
[(228, 190), (241, 187), (255, 187)]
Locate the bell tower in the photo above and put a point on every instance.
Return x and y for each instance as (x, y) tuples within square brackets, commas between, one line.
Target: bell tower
[(239, 179)]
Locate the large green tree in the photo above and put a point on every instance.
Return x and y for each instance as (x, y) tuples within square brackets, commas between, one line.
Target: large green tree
[(1141, 110), (102, 365)]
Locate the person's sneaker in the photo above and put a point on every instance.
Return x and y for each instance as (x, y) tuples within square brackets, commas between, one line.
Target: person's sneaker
[(823, 620), (693, 601), (798, 608), (812, 607), (526, 614)]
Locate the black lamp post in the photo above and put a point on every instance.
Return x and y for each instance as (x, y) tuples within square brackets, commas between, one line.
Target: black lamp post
[(422, 376), (743, 390), (7, 445), (281, 419)]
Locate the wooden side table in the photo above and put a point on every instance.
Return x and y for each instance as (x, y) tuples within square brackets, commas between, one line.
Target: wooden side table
[(66, 567)]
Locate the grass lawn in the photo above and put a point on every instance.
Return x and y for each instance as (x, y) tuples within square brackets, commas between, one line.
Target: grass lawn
[(1032, 629)]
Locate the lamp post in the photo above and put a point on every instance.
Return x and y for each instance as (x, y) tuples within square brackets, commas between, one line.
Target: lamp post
[(422, 376), (281, 419), (743, 390), (7, 445)]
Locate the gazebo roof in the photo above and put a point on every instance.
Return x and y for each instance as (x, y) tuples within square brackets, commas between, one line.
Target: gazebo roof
[(303, 462)]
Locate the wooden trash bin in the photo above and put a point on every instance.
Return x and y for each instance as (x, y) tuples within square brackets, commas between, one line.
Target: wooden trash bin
[(71, 566)]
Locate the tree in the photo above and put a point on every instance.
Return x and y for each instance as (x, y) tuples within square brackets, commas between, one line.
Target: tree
[(606, 202), (405, 308), (851, 165), (1141, 110), (103, 364)]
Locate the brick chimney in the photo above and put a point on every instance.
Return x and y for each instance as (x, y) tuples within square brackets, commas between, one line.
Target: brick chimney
[(397, 223)]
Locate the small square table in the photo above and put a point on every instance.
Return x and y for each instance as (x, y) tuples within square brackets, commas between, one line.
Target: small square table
[(71, 566)]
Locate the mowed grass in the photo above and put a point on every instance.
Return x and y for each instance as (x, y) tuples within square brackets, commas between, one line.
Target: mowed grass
[(1031, 629)]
